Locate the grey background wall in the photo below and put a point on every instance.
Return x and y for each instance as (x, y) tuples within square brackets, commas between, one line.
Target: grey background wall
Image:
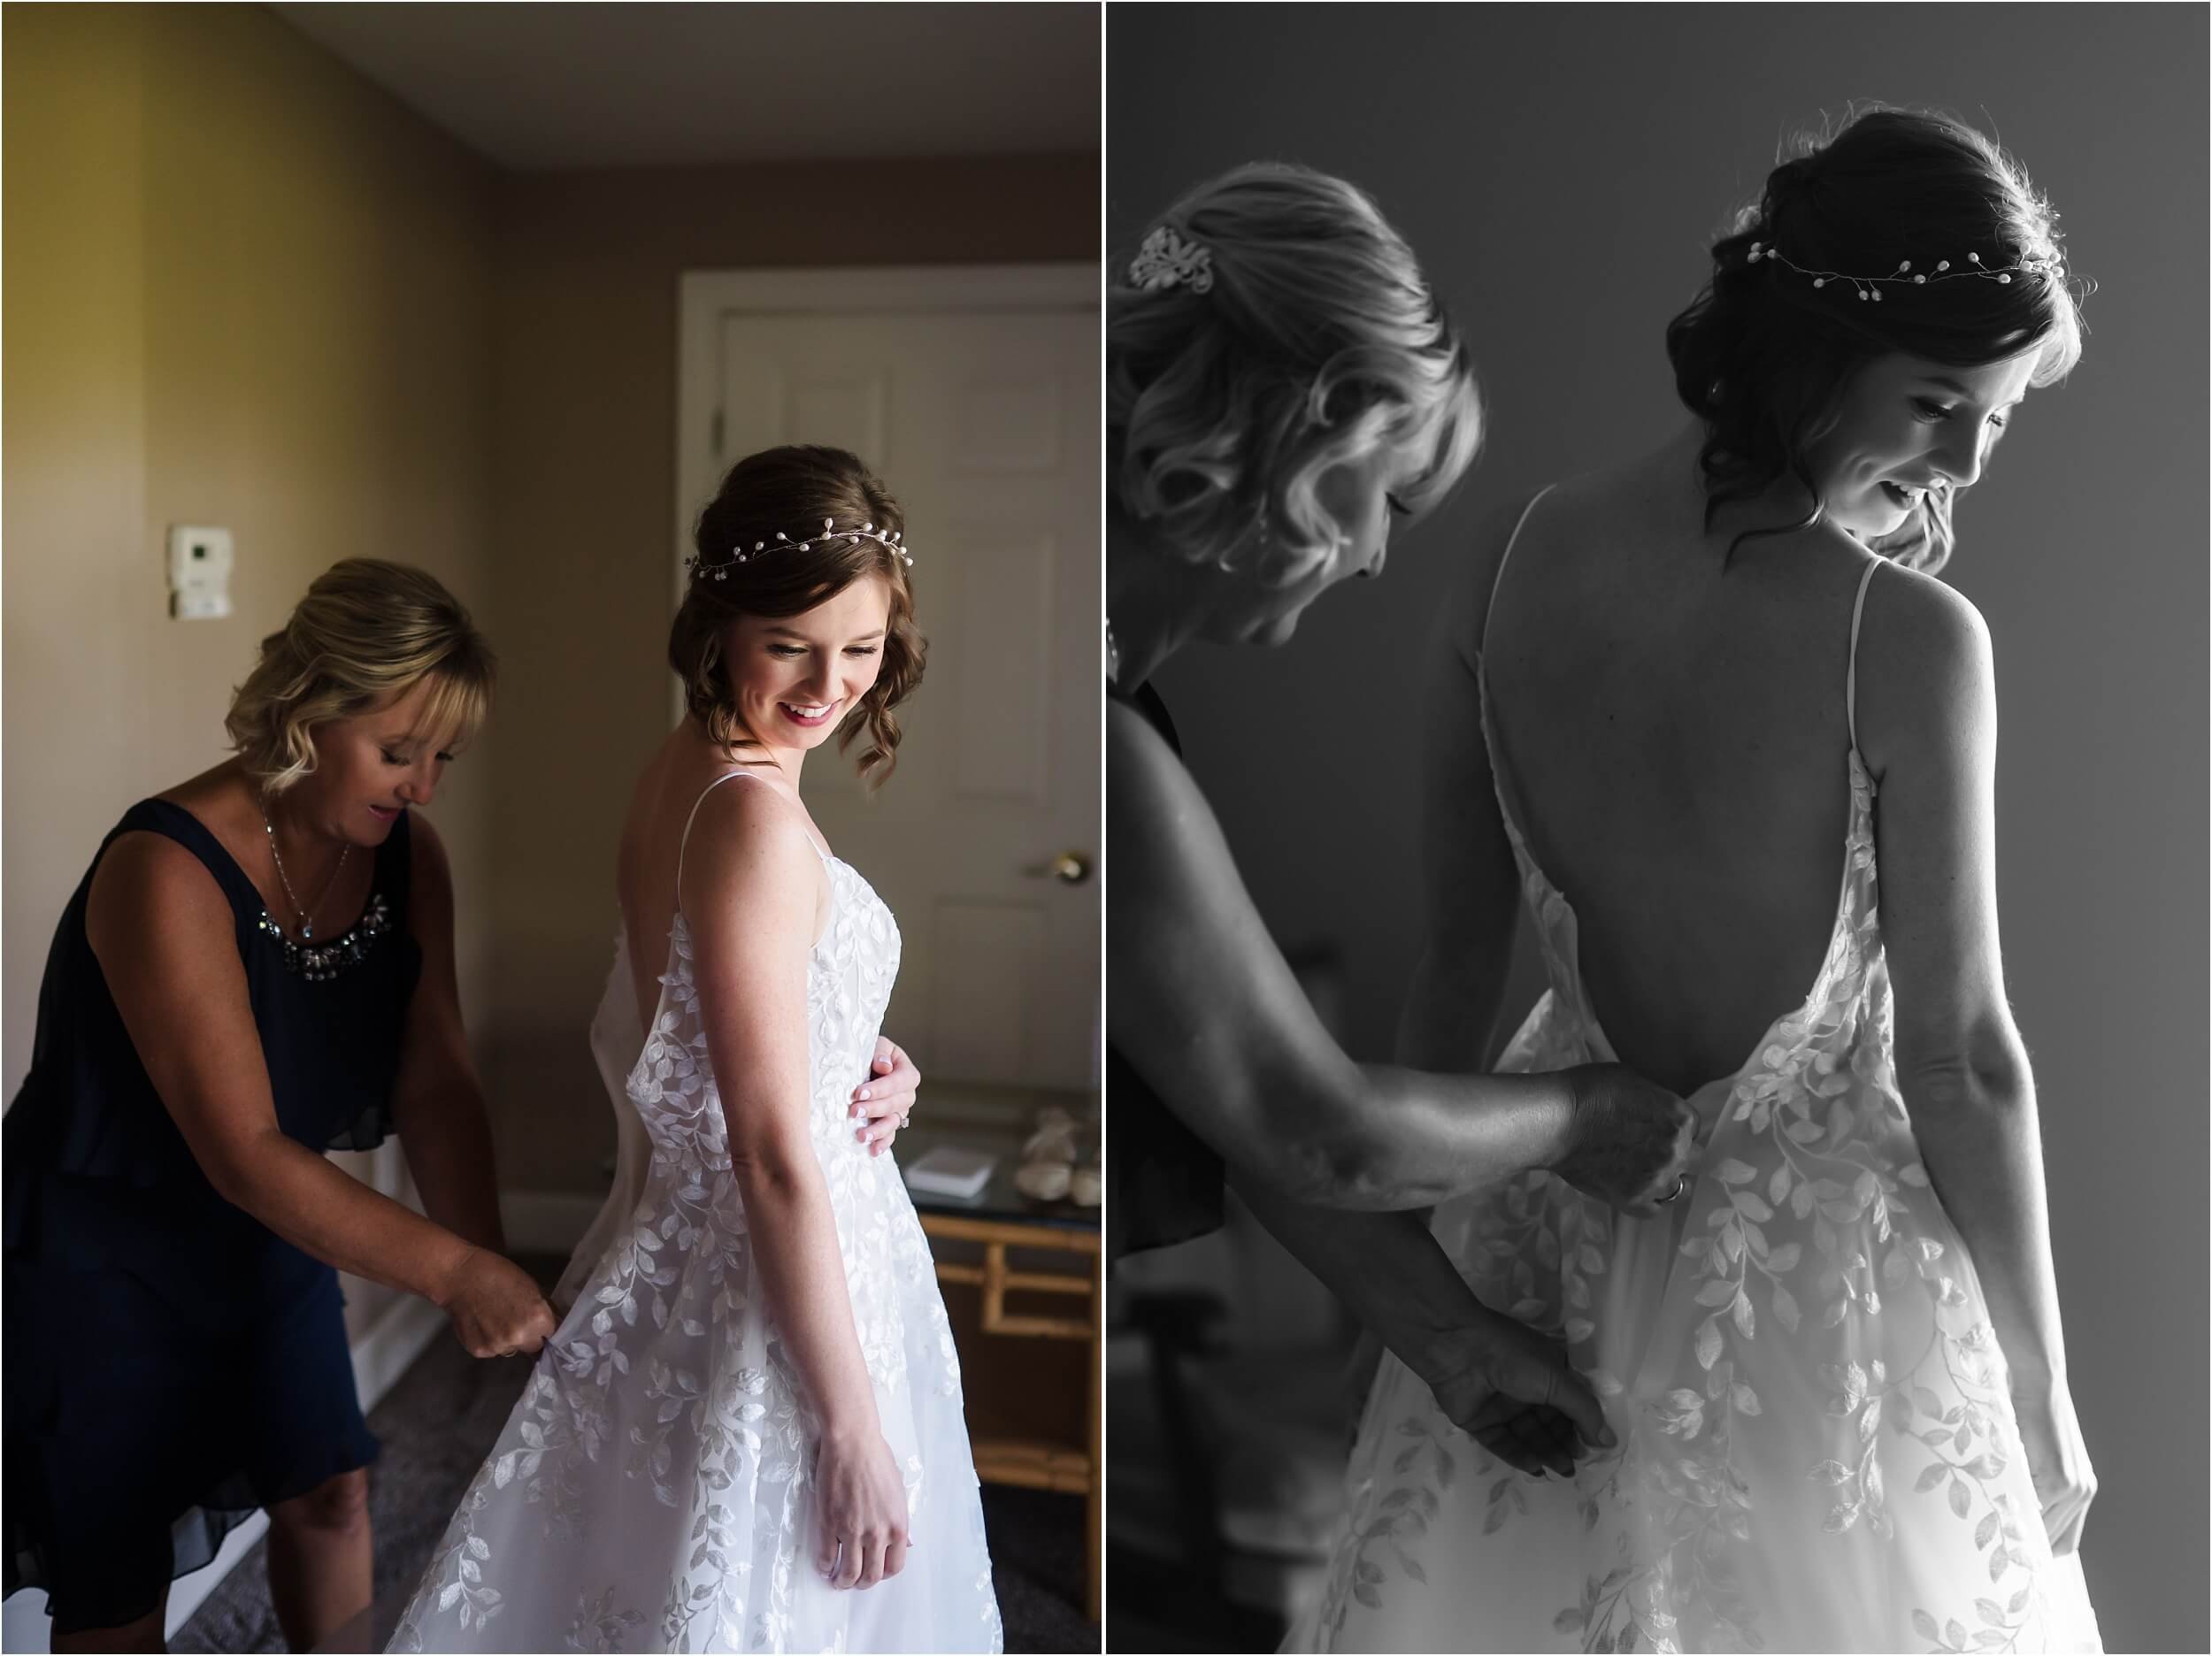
[(1561, 170)]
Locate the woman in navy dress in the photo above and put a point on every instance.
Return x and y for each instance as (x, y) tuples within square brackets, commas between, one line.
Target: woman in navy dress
[(256, 968), (1283, 387)]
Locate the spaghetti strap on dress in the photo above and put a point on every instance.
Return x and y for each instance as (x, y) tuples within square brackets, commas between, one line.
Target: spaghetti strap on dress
[(1818, 1446)]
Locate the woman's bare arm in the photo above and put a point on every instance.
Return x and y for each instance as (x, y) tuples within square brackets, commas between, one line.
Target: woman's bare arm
[(165, 940), (749, 890), (1204, 1007), (751, 883), (437, 1100), (1927, 720), (1387, 1268)]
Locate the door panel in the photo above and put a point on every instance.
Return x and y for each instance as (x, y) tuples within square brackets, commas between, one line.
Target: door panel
[(984, 424)]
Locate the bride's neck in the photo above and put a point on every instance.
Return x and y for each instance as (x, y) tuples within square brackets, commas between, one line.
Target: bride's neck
[(785, 760)]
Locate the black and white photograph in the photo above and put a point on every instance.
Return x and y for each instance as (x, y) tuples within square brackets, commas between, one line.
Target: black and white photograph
[(1636, 535), (553, 1019)]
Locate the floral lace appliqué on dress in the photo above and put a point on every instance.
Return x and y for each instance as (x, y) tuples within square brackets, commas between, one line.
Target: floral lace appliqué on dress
[(1817, 1446), (653, 1490)]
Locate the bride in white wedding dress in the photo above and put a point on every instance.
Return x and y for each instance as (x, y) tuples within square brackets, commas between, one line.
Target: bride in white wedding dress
[(1679, 697), (747, 1433)]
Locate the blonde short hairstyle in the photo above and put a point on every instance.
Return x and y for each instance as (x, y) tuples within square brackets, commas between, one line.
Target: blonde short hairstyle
[(1319, 342), (366, 633)]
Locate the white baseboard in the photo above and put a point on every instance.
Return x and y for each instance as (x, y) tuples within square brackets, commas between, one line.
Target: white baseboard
[(546, 1222), (391, 1344)]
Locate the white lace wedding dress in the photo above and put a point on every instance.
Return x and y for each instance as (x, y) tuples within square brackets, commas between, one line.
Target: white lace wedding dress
[(1817, 1448), (653, 1490)]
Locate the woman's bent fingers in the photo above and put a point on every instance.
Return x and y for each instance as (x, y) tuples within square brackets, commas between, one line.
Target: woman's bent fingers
[(1544, 1441), (1522, 1443), (880, 1109), (1574, 1400), (894, 1555)]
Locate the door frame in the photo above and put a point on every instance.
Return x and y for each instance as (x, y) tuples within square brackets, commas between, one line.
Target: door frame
[(702, 296)]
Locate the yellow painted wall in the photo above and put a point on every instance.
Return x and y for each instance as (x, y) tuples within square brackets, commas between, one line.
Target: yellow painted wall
[(242, 286)]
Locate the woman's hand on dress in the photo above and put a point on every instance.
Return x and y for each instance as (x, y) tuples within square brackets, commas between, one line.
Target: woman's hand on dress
[(2058, 1461), (1511, 1389), (880, 1104), (1632, 1143), (863, 1511), (496, 1307)]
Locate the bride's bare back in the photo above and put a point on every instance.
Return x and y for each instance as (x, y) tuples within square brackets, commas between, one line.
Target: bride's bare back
[(1673, 735)]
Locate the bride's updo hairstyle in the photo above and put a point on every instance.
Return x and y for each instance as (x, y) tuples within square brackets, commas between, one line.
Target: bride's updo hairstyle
[(777, 501), (1296, 333), (1764, 355)]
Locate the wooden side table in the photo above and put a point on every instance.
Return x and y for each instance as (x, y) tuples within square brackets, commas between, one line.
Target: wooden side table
[(1030, 1462), (1003, 1218)]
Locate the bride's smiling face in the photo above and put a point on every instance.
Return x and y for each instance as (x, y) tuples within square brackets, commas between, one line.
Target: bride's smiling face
[(1908, 426), (794, 679)]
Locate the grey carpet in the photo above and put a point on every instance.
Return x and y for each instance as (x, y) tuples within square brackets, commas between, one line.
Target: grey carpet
[(442, 1415)]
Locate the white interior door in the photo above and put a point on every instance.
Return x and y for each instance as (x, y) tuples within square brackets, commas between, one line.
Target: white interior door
[(974, 395)]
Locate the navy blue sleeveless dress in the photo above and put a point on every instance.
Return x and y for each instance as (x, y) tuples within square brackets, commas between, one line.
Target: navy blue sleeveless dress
[(171, 1363)]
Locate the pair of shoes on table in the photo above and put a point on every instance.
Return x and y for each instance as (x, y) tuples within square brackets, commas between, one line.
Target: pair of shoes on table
[(1055, 1166)]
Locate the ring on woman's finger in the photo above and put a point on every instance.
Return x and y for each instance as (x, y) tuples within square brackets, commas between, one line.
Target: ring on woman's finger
[(1681, 1183)]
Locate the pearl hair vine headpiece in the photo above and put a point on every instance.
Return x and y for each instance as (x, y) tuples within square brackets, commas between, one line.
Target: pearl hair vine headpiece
[(1904, 275), (890, 540), (1167, 259)]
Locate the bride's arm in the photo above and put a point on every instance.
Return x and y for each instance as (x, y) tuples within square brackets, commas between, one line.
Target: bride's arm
[(749, 887), (1927, 721)]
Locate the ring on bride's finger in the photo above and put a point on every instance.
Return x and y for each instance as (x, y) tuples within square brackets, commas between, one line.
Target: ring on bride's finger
[(1681, 1183)]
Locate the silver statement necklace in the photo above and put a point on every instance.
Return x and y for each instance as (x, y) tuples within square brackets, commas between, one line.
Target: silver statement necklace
[(306, 914)]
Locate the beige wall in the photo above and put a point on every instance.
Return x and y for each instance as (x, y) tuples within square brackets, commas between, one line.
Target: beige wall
[(586, 466), (243, 287)]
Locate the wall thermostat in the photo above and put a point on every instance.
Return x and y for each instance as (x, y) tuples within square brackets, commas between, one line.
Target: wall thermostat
[(199, 572)]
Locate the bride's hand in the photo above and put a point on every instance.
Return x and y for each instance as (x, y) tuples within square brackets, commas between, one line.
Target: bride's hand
[(1511, 1389), (863, 1511), (2058, 1461), (496, 1307), (1632, 1141), (881, 1102)]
